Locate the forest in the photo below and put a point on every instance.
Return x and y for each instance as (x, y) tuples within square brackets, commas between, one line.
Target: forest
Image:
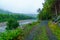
[(5, 15)]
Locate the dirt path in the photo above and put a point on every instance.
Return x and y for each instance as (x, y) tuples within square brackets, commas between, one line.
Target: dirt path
[(32, 33), (50, 35), (36, 31)]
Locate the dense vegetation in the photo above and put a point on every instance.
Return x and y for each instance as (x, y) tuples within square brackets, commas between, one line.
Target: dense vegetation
[(47, 11), (5, 15), (12, 24), (11, 34)]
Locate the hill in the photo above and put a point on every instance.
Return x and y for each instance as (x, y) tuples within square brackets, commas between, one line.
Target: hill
[(5, 15)]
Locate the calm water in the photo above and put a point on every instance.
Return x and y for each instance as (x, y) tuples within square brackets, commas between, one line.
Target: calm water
[(22, 22)]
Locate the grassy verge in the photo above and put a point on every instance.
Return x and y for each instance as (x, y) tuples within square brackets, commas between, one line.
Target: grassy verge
[(28, 28), (11, 34), (55, 29), (17, 34), (42, 35)]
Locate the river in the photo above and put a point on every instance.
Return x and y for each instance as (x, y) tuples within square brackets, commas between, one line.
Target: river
[(21, 23)]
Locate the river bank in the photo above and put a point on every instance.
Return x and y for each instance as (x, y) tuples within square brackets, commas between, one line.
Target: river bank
[(21, 23)]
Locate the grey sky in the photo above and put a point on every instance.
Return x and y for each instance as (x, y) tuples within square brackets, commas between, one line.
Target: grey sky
[(21, 6)]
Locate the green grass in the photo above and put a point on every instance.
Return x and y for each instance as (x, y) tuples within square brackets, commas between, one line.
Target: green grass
[(55, 29), (42, 35)]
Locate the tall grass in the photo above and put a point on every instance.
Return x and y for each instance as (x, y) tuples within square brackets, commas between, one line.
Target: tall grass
[(55, 29)]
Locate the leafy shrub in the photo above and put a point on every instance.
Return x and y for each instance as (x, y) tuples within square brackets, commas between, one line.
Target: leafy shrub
[(11, 34), (12, 24)]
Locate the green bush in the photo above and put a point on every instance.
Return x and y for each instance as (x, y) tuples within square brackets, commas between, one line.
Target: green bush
[(12, 24), (11, 34)]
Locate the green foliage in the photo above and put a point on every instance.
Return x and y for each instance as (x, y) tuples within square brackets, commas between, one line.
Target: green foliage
[(47, 11), (12, 24), (5, 17), (55, 29), (45, 16), (11, 34)]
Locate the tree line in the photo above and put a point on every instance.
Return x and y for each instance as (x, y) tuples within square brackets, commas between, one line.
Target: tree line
[(5, 17), (47, 11)]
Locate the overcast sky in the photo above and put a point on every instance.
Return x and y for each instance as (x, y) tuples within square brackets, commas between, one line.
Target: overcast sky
[(21, 6)]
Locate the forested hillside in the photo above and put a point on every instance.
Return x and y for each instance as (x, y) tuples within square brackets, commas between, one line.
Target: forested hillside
[(5, 15)]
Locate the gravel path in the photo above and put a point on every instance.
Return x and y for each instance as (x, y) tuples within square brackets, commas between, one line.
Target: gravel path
[(35, 30), (50, 35), (32, 33)]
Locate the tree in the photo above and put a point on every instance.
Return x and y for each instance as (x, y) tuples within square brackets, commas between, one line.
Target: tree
[(39, 10), (12, 24), (46, 12)]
